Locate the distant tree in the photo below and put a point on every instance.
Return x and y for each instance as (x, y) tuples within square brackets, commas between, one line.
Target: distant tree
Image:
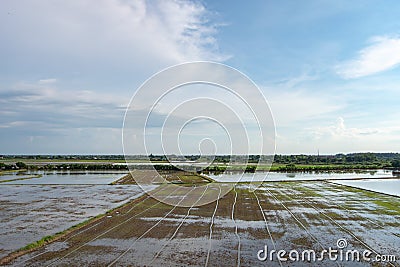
[(20, 165), (396, 163), (290, 167)]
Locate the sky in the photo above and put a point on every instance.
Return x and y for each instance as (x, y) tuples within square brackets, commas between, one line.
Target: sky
[(330, 70)]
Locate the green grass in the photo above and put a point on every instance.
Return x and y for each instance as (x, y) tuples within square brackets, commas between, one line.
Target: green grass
[(39, 243), (388, 206), (308, 192)]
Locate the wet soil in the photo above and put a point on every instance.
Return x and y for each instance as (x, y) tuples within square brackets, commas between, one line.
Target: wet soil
[(282, 216)]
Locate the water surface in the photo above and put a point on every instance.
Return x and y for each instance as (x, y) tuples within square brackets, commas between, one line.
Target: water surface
[(386, 186), (66, 177), (293, 176), (36, 207)]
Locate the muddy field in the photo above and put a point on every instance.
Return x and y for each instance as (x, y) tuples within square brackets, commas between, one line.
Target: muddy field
[(37, 204), (231, 231)]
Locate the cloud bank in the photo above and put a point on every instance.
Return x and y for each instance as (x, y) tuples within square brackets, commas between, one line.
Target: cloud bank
[(84, 35), (383, 54), (72, 66)]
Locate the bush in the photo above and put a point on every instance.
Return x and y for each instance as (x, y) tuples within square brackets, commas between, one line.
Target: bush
[(396, 163), (20, 165)]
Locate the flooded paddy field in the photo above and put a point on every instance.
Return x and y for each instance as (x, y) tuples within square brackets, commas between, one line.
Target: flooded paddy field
[(386, 186), (32, 209), (295, 215), (61, 177), (299, 176)]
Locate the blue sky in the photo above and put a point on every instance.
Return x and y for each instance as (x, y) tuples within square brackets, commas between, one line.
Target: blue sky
[(329, 69)]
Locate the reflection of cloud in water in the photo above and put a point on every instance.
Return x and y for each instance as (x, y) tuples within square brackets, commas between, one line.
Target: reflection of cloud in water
[(386, 186)]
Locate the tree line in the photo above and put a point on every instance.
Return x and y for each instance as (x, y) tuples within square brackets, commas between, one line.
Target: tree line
[(281, 162)]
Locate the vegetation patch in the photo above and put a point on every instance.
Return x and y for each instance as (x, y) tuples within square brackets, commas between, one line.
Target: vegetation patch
[(39, 243), (388, 206)]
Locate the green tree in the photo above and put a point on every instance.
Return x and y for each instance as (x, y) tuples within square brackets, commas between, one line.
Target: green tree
[(20, 165), (396, 163)]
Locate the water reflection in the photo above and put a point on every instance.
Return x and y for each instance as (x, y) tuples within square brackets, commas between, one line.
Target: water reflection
[(386, 186), (294, 176), (62, 177)]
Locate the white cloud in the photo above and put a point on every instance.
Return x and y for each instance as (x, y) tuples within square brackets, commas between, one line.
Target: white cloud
[(338, 137), (109, 32), (293, 82), (45, 107), (300, 106), (381, 55), (106, 46), (45, 119), (340, 130), (47, 81)]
